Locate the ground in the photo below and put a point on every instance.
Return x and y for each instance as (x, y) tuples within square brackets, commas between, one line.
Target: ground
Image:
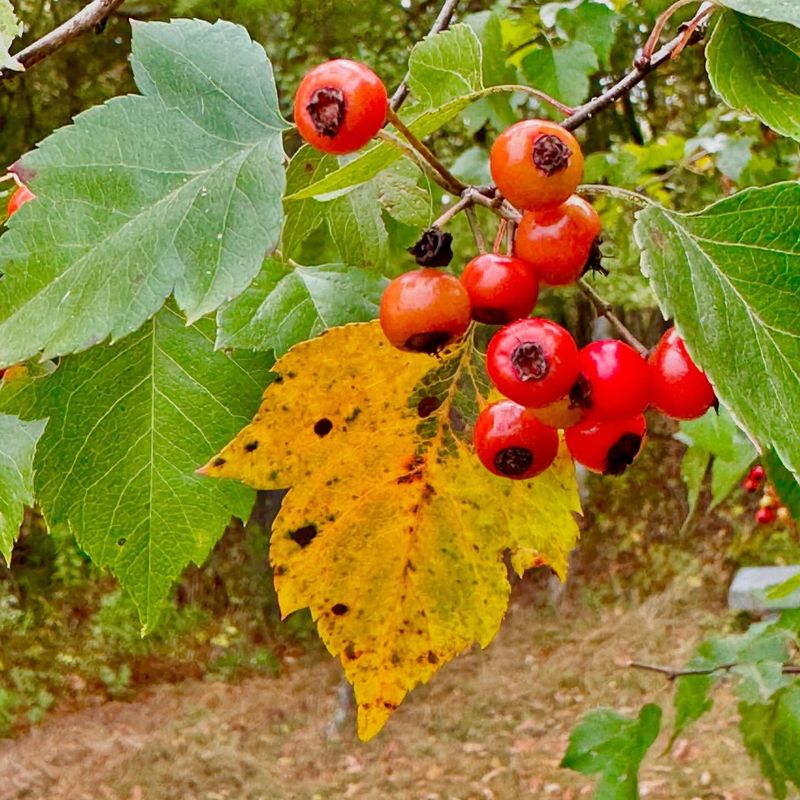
[(492, 725)]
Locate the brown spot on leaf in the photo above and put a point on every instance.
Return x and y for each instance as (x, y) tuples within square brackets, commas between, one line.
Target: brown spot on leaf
[(218, 462), (339, 609), (428, 405), (322, 427), (251, 446), (304, 536)]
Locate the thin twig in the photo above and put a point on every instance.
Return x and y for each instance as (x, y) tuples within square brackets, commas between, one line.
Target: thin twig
[(455, 185), (465, 201), (84, 21), (655, 35), (475, 226), (616, 191), (604, 309), (671, 673), (633, 78), (409, 151), (441, 23)]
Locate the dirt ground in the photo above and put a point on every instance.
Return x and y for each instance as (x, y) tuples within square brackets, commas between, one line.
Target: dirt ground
[(492, 725)]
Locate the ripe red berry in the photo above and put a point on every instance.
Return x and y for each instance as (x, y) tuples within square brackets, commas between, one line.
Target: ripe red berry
[(750, 486), (532, 361), (501, 289), (536, 164), (757, 474), (607, 447), (680, 389), (558, 241), (22, 194), (512, 443), (339, 106), (424, 310), (613, 381), (765, 515)]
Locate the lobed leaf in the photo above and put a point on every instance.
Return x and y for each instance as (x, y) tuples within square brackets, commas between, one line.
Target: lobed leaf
[(10, 28), (175, 191), (393, 533)]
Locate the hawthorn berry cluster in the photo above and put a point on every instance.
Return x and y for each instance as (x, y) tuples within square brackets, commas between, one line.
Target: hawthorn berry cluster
[(770, 507), (598, 394)]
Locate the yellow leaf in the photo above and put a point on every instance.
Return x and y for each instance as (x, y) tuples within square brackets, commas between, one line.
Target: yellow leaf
[(393, 534)]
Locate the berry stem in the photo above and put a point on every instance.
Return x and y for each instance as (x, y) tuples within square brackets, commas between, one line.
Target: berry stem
[(475, 226), (455, 186), (465, 201), (655, 35), (604, 309), (412, 154)]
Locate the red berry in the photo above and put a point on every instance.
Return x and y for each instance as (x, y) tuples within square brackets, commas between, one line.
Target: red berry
[(532, 361), (424, 310), (512, 443), (757, 474), (558, 241), (679, 388), (339, 106), (613, 381), (501, 289), (607, 447), (750, 485), (22, 194), (536, 164), (765, 515)]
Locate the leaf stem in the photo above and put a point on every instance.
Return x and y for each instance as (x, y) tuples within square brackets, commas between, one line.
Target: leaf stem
[(655, 35), (617, 192), (671, 673), (412, 154), (604, 309)]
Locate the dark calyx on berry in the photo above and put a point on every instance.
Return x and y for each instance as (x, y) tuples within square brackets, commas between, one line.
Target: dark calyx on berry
[(513, 460), (594, 263), (550, 154), (622, 454), (430, 343), (434, 248), (529, 362), (580, 395), (326, 110)]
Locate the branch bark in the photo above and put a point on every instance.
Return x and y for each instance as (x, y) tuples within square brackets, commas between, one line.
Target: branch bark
[(672, 673), (85, 20)]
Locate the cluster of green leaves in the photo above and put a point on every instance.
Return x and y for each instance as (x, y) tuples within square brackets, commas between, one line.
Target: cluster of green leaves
[(756, 662)]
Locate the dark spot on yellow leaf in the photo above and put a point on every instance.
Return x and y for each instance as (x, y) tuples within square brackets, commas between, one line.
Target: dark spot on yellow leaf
[(250, 446), (354, 415), (279, 571), (432, 657), (291, 374), (322, 427), (351, 652), (390, 706), (427, 406), (218, 462), (339, 609), (457, 421), (428, 492), (304, 536)]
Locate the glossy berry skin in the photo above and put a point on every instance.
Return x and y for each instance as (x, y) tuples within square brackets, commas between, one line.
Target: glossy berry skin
[(757, 473), (532, 361), (512, 443), (339, 106), (536, 164), (750, 486), (501, 289), (21, 195), (607, 447), (679, 388), (613, 381), (557, 241), (765, 515), (424, 310)]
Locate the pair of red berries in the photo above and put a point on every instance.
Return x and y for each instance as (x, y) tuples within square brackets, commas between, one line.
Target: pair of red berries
[(598, 394)]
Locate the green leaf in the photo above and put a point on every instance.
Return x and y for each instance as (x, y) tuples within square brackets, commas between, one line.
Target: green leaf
[(693, 471), (357, 228), (445, 66), (754, 65), (17, 447), (305, 216), (787, 733), (691, 700), (757, 724), (760, 681), (776, 10), (128, 425), (403, 198), (729, 276), (286, 305), (10, 28), (613, 746), (592, 23), (562, 72), (189, 204), (786, 484)]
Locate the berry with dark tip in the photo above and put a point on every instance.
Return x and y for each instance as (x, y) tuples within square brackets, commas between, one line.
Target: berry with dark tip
[(607, 447)]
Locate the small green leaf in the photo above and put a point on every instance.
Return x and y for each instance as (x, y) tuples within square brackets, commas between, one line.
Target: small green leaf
[(445, 66), (189, 205), (128, 426), (17, 447), (729, 276), (10, 28), (754, 65), (776, 10), (760, 680), (693, 470), (286, 305), (787, 733), (692, 700), (757, 724), (403, 198), (592, 23), (357, 228), (562, 72), (613, 746)]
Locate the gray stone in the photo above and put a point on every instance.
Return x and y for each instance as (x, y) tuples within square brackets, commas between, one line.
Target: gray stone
[(748, 590)]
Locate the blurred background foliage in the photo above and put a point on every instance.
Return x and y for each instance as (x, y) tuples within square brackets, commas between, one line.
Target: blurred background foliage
[(67, 630)]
